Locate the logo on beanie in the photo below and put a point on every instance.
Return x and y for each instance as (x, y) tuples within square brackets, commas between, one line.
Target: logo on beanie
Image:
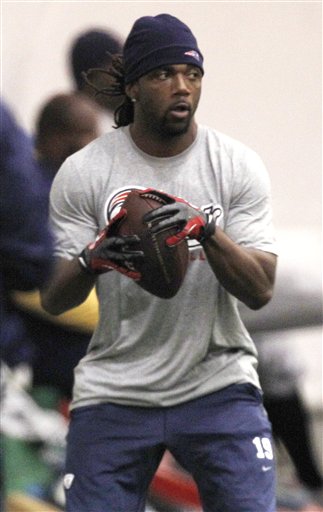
[(193, 53)]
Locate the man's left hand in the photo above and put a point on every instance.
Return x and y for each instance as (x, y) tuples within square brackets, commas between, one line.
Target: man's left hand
[(191, 222)]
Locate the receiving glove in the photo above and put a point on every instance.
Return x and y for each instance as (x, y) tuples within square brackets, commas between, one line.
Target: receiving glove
[(191, 222), (112, 252)]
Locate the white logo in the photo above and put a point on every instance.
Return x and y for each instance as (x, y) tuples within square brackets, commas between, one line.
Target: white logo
[(193, 53), (116, 199), (265, 468), (68, 480), (216, 212)]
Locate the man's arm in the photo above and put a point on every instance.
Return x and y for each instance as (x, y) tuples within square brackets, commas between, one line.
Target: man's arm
[(67, 288), (248, 274), (72, 280)]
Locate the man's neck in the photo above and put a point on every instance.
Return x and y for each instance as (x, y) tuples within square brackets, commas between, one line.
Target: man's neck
[(162, 146)]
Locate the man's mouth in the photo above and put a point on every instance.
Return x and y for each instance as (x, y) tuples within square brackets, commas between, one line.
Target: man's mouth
[(180, 110)]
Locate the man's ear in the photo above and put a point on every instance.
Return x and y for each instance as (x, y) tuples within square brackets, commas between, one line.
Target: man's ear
[(132, 90)]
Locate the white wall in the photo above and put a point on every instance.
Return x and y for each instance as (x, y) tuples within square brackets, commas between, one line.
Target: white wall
[(262, 82)]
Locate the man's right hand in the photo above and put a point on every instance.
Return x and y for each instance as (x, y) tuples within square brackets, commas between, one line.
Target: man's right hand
[(112, 253)]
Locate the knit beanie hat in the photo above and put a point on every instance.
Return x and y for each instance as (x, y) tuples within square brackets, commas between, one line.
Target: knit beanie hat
[(156, 41)]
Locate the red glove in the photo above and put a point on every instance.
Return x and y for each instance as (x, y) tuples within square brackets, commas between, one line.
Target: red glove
[(190, 220), (112, 252)]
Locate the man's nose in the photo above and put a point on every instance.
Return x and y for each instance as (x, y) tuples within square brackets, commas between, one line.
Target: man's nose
[(181, 84)]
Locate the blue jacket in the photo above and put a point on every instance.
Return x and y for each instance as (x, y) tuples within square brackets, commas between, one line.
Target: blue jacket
[(25, 238)]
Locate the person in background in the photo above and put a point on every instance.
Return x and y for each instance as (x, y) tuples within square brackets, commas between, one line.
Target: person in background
[(25, 239), (89, 58), (25, 248), (65, 124)]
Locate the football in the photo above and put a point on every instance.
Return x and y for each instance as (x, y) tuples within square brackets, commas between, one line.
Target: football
[(163, 268)]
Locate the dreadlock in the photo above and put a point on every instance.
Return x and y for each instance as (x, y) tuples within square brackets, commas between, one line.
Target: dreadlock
[(124, 114)]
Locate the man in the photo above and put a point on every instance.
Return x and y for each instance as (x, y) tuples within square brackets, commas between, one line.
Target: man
[(65, 123), (89, 59), (176, 374), (25, 248), (25, 239)]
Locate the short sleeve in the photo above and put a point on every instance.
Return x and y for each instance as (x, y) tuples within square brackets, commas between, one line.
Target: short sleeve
[(249, 221), (71, 211)]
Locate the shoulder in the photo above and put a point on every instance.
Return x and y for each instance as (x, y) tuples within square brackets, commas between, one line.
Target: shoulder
[(15, 143), (102, 147), (235, 158), (92, 160), (231, 146)]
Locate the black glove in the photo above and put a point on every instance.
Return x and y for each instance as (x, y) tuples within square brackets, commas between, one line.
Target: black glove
[(112, 252), (190, 220)]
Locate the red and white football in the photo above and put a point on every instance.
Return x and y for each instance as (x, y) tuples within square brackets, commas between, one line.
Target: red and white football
[(163, 268)]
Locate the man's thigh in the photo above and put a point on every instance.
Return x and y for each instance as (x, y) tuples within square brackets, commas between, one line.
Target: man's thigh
[(225, 441), (112, 455)]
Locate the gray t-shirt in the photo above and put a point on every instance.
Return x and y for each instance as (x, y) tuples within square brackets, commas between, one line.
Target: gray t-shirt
[(145, 350)]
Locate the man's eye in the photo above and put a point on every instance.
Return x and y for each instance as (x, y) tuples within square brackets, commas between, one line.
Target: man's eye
[(159, 74), (194, 75), (163, 74)]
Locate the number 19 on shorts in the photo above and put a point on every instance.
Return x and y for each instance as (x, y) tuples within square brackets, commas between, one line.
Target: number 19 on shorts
[(264, 448)]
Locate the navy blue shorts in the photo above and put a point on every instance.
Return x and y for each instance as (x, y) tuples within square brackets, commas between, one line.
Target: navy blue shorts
[(223, 439)]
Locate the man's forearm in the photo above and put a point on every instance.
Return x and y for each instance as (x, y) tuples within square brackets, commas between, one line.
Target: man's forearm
[(245, 273), (67, 288)]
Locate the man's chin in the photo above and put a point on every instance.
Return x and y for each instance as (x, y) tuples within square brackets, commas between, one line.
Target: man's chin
[(175, 129)]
